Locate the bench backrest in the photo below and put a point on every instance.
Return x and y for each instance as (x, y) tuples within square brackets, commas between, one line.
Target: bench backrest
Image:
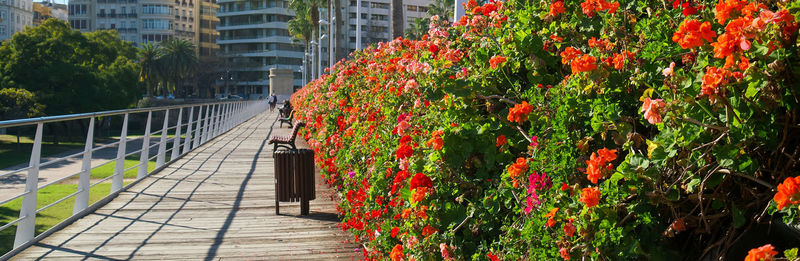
[(296, 129)]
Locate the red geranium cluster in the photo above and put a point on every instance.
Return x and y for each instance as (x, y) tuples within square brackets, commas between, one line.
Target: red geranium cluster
[(519, 113), (599, 163)]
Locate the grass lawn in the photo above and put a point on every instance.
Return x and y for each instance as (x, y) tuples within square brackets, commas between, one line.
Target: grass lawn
[(49, 217), (108, 169), (11, 154)]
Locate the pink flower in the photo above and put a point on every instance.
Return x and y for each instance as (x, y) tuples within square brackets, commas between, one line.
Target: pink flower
[(652, 110), (669, 71), (445, 251), (535, 142)]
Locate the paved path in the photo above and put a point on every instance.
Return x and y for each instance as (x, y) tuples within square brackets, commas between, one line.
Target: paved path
[(215, 203)]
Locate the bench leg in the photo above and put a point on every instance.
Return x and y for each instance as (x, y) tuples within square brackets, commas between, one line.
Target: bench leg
[(304, 207)]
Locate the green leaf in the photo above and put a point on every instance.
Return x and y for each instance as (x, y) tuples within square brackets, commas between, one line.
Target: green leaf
[(790, 254), (692, 184)]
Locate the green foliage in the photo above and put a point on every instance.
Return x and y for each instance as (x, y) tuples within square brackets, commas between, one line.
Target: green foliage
[(18, 103), (68, 71), (654, 151)]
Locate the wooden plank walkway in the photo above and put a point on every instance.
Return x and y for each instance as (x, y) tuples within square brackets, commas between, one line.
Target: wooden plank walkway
[(215, 203)]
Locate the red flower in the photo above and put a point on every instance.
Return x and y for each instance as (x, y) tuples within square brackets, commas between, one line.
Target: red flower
[(501, 140), (516, 169), (397, 253), (394, 231), (492, 257), (569, 229), (584, 63), (763, 253), (569, 54), (590, 196), (428, 230), (421, 180), (496, 60), (564, 253), (691, 34), (714, 82), (404, 151), (788, 192), (556, 8), (519, 113), (652, 110)]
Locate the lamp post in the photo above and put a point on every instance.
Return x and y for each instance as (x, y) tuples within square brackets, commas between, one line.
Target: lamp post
[(321, 23), (332, 46), (319, 59), (314, 45)]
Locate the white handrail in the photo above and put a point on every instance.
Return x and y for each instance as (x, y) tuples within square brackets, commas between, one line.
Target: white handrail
[(218, 119)]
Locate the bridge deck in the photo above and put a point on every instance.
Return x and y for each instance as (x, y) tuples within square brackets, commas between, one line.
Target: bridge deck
[(217, 202)]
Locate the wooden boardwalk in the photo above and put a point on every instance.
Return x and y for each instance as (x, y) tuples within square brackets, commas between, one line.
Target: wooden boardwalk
[(215, 203)]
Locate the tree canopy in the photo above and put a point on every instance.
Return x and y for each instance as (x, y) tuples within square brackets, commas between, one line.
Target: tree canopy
[(69, 71)]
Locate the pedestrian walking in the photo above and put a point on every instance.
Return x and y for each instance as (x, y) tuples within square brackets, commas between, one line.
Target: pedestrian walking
[(272, 101)]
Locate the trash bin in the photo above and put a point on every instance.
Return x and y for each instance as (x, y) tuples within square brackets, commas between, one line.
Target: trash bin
[(294, 178)]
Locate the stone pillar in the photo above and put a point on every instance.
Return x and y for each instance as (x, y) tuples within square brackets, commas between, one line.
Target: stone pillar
[(281, 83)]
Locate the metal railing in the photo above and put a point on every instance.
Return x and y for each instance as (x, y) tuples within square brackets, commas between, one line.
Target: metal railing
[(203, 123)]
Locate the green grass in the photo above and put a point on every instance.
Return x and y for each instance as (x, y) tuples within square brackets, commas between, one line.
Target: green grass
[(49, 217), (12, 154), (107, 170)]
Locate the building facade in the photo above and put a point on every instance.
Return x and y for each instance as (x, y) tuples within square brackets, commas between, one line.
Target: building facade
[(14, 16), (46, 10), (137, 21), (253, 38)]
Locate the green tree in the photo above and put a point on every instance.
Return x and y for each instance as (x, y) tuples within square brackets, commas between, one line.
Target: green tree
[(69, 71), (148, 65), (442, 8), (179, 60), (418, 28), (17, 104), (301, 29)]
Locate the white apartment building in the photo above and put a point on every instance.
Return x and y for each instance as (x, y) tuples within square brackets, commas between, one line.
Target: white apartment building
[(14, 16), (376, 21), (253, 38), (136, 21)]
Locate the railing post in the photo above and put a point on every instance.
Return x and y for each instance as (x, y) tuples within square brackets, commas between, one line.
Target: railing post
[(162, 144), (82, 198), (188, 140), (197, 134), (119, 169), (144, 156), (205, 124), (176, 142), (27, 212), (214, 120), (226, 122)]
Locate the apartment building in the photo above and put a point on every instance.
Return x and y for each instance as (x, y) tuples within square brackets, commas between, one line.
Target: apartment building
[(46, 10), (253, 38), (375, 18), (137, 21), (14, 16)]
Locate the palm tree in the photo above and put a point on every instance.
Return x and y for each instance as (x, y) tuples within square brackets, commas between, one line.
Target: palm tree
[(308, 9), (418, 28), (442, 8), (149, 55), (301, 29), (180, 61)]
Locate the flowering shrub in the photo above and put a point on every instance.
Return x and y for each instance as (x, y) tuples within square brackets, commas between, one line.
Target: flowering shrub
[(666, 130)]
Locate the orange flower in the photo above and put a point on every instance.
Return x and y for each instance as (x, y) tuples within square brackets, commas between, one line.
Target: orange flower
[(691, 34), (733, 40), (618, 60), (589, 7), (713, 83), (428, 230), (590, 196), (569, 54), (556, 8), (744, 63), (788, 192), (593, 168), (501, 140), (406, 213), (679, 225), (607, 155), (496, 61), (550, 222), (763, 253), (419, 194), (519, 113), (436, 141), (555, 37), (564, 252), (584, 63), (521, 166), (727, 8), (422, 213), (397, 253)]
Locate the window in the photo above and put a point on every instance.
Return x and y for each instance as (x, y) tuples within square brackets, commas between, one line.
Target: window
[(412, 8), (352, 15), (2, 30), (363, 16), (379, 5), (122, 11), (423, 9), (113, 26), (133, 25), (158, 24)]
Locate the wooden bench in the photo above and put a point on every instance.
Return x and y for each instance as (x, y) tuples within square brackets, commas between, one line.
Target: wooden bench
[(286, 141), (287, 120)]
